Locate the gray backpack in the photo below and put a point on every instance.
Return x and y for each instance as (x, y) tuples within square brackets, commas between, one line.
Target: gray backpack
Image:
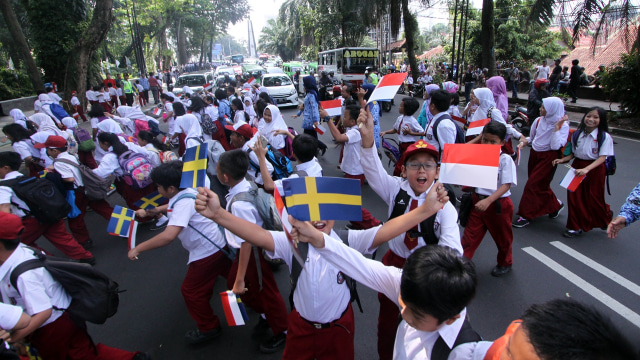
[(264, 203), (95, 187)]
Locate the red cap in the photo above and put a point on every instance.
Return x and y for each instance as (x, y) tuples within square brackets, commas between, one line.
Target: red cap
[(420, 146), (11, 226), (74, 92), (53, 141), (243, 129)]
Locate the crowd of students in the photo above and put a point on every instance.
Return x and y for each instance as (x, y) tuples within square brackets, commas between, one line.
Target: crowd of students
[(226, 236)]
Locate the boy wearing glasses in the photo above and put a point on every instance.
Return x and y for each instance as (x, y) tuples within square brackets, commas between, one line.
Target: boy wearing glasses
[(403, 194)]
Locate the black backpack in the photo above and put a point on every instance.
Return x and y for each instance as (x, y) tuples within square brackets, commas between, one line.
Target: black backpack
[(459, 131), (94, 296), (45, 200)]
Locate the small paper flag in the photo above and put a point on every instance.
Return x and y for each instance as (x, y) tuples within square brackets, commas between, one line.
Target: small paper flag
[(233, 308)]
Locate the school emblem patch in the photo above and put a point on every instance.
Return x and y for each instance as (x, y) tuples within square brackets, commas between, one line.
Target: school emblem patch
[(340, 277), (436, 226), (594, 151)]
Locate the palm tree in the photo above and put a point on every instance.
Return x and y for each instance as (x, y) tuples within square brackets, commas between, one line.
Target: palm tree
[(274, 40)]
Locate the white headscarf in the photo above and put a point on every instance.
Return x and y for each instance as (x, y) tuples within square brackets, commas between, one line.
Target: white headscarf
[(109, 126), (263, 89), (43, 121), (190, 125), (19, 117), (131, 112), (249, 108), (277, 123), (485, 96), (70, 122), (45, 99), (555, 109), (186, 89)]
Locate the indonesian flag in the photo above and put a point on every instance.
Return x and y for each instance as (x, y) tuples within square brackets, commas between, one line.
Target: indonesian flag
[(475, 128), (571, 181), (470, 165), (319, 129), (286, 225), (388, 87), (208, 86), (234, 310), (333, 107), (518, 157), (252, 81), (462, 121), (133, 230), (156, 111)]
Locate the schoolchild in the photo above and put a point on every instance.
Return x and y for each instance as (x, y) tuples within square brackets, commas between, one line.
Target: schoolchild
[(52, 331), (224, 108), (454, 110), (305, 148), (251, 276), (548, 134), (419, 172), (103, 97), (493, 210), (77, 107), (270, 126), (351, 159), (424, 117), (239, 115), (113, 95), (187, 129), (140, 89), (92, 95), (21, 143), (153, 145), (167, 102), (406, 126), (201, 238), (120, 92), (446, 131), (590, 145), (96, 115), (241, 134)]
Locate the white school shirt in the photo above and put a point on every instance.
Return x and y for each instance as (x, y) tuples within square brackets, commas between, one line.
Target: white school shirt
[(506, 175), (255, 175), (470, 351), (38, 290), (387, 187), (242, 209), (321, 295), (545, 137), (153, 155), (119, 92), (69, 171), (37, 106), (410, 343), (7, 196), (446, 132), (140, 88), (75, 101), (587, 146), (311, 167), (183, 213), (112, 92), (407, 122), (25, 149), (54, 97), (454, 110), (108, 165), (351, 155), (9, 316), (239, 117)]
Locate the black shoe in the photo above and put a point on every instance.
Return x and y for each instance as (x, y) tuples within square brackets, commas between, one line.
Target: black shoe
[(195, 337), (141, 356), (261, 326), (500, 270), (572, 233), (555, 214), (88, 245), (273, 344), (155, 226), (521, 222), (91, 261)]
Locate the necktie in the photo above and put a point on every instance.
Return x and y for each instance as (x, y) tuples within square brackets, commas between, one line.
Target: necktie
[(410, 242)]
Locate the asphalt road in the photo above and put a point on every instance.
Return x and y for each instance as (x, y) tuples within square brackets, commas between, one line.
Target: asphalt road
[(592, 268)]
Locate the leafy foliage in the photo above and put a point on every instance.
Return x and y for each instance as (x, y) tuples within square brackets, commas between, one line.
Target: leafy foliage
[(621, 80), (14, 84)]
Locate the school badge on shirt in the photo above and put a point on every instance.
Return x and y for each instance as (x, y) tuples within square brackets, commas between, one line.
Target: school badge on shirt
[(340, 277)]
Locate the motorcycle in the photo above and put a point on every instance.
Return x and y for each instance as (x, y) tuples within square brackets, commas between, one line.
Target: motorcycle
[(417, 90), (520, 120)]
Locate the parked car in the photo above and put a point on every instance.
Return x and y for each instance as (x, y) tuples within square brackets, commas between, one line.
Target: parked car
[(194, 81), (281, 89)]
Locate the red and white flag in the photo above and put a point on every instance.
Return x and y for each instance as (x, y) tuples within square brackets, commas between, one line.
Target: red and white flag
[(332, 107), (208, 86), (133, 230), (476, 127), (156, 111), (470, 165), (461, 121), (319, 129), (518, 156), (251, 81), (571, 181), (234, 310), (388, 87)]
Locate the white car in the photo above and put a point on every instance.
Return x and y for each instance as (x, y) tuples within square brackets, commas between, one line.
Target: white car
[(274, 70), (194, 81), (221, 70), (281, 89)]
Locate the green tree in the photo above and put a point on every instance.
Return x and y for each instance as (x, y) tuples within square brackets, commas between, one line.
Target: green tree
[(273, 40)]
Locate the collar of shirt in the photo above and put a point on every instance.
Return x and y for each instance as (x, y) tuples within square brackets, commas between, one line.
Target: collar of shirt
[(12, 175), (307, 166), (436, 116), (242, 186), (448, 333), (593, 134), (407, 187), (13, 260)]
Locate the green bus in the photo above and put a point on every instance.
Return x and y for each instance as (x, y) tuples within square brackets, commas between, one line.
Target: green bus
[(291, 67)]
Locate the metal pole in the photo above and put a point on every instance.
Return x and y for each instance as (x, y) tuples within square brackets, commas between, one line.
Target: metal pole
[(453, 47)]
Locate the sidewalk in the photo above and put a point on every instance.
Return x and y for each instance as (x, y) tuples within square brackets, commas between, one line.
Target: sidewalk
[(581, 106)]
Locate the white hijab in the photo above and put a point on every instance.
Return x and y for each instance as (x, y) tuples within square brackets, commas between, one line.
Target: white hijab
[(277, 123), (555, 109), (485, 96), (187, 90), (131, 112), (190, 125), (44, 121), (109, 126), (19, 117), (249, 108), (45, 99)]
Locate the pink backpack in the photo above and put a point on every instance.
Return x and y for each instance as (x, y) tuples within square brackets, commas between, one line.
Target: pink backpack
[(137, 169)]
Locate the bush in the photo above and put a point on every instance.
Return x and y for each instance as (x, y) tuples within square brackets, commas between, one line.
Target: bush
[(621, 80), (14, 84)]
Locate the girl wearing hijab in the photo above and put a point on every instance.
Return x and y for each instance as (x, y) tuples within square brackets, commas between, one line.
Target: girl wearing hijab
[(249, 110), (311, 116), (548, 134), (189, 126), (19, 117), (483, 97), (374, 108), (239, 115), (22, 144), (133, 119), (425, 116), (499, 89), (45, 102), (270, 123)]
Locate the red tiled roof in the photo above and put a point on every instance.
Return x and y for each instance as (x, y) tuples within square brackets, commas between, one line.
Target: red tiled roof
[(607, 53), (396, 46), (431, 53)]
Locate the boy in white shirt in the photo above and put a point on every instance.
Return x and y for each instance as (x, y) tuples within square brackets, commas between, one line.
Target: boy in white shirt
[(209, 256), (77, 107), (406, 126)]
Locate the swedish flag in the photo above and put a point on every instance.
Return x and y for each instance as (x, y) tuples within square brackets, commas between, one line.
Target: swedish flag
[(194, 167), (121, 221), (323, 198), (150, 201)]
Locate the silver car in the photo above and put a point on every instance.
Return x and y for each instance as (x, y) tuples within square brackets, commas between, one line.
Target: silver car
[(281, 89)]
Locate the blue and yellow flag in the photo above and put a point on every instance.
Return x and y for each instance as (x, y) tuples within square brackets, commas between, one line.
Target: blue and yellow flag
[(194, 167), (151, 201), (121, 221), (323, 198)]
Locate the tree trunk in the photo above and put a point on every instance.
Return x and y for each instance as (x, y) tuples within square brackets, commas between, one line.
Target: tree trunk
[(410, 25), (488, 38), (21, 45), (80, 56), (182, 47)]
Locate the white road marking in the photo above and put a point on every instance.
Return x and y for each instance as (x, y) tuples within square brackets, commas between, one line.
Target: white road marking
[(599, 295), (629, 285)]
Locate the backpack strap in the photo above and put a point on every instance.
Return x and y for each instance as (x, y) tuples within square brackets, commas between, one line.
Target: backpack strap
[(489, 112), (466, 335), (426, 231), (296, 269), (230, 254), (22, 268), (250, 196)]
